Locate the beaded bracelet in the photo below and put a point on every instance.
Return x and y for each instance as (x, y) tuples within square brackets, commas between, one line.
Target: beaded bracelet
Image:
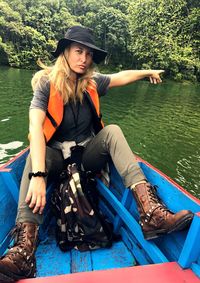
[(37, 174)]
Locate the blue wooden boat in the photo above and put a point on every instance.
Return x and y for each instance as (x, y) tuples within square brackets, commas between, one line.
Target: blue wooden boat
[(171, 258)]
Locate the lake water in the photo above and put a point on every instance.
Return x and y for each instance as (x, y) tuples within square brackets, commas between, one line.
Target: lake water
[(160, 122)]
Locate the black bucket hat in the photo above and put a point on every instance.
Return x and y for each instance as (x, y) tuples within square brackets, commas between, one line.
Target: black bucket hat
[(83, 36)]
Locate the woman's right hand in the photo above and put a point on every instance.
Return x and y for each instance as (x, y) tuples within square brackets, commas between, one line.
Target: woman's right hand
[(36, 196), (155, 76)]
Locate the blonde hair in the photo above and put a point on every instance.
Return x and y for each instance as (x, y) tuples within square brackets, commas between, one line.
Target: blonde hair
[(59, 76)]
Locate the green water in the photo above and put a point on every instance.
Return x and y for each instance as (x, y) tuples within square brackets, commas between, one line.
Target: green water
[(160, 122)]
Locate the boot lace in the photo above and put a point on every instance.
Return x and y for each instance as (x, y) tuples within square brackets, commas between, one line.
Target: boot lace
[(156, 202), (19, 248)]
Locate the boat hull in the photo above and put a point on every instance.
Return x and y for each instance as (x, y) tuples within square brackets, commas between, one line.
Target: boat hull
[(178, 251)]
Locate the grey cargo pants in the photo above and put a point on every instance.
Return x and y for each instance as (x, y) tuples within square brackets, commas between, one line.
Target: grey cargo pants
[(108, 143)]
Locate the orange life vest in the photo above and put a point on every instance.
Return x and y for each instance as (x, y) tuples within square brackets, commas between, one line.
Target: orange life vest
[(55, 110)]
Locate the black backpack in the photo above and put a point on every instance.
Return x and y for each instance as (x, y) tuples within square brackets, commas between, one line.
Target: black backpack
[(75, 206)]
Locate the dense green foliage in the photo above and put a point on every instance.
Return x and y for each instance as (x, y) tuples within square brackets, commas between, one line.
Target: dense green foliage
[(137, 33)]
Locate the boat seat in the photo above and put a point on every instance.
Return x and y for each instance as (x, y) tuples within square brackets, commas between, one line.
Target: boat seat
[(157, 273)]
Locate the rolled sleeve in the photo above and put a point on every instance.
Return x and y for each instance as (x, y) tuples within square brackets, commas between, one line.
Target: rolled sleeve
[(103, 82), (41, 96)]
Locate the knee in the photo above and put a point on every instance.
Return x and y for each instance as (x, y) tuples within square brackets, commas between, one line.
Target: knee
[(113, 130)]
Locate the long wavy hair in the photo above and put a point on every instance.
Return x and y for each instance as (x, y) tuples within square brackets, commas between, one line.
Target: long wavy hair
[(59, 76)]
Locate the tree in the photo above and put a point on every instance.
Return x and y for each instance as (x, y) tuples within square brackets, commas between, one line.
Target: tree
[(159, 40), (149, 33), (110, 26), (25, 40)]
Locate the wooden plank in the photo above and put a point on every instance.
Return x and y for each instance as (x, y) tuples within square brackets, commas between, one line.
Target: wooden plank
[(11, 185), (138, 253), (16, 166), (198, 261), (191, 249), (132, 245), (156, 273), (8, 211), (196, 269), (51, 260), (170, 246), (115, 257), (126, 202), (80, 261)]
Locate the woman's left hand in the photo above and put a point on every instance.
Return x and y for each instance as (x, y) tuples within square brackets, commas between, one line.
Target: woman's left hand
[(155, 77)]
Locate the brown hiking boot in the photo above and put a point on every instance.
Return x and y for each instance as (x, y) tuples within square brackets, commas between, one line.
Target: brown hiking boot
[(155, 218), (19, 262)]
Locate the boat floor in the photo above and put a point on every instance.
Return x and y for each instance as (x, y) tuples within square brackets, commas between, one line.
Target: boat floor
[(52, 261), (115, 264)]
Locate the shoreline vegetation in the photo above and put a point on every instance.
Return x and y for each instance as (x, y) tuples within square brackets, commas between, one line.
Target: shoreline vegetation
[(148, 34)]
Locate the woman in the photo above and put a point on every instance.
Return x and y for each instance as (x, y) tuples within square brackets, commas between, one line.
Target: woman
[(64, 112)]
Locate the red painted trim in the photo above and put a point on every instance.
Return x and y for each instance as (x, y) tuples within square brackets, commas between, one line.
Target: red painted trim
[(156, 273), (170, 180), (5, 169), (13, 159)]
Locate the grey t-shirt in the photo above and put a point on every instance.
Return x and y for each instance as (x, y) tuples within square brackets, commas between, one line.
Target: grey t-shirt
[(77, 124)]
